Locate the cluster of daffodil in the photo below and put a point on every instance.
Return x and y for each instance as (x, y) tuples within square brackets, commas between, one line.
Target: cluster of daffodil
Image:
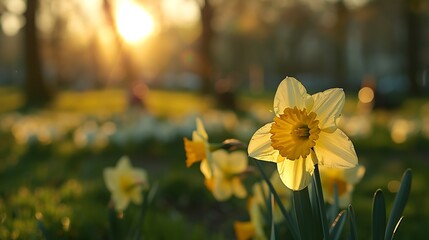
[(303, 136)]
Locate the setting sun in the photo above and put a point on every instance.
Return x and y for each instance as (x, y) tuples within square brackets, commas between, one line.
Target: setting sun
[(133, 21)]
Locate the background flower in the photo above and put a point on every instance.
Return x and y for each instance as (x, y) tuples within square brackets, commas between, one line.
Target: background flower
[(343, 179), (125, 183), (227, 169), (261, 191)]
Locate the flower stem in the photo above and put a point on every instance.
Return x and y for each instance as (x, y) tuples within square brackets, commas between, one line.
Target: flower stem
[(291, 225), (302, 205), (318, 186)]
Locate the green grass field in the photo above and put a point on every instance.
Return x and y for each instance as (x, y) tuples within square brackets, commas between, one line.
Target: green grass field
[(51, 182)]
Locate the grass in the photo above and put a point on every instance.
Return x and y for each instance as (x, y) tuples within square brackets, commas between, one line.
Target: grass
[(56, 189)]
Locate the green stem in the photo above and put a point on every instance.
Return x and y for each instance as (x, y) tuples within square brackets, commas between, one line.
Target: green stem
[(322, 210), (288, 219), (301, 202)]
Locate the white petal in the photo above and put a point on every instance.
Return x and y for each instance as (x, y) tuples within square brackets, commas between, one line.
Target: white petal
[(140, 175), (290, 93), (238, 188), (260, 145), (328, 106), (220, 158), (123, 163), (121, 201), (206, 169), (296, 174), (222, 189), (354, 175), (234, 162), (137, 196), (109, 175), (335, 150), (201, 130)]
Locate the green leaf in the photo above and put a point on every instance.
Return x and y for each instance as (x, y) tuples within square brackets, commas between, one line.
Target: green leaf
[(336, 205), (301, 200), (378, 216), (114, 229), (352, 223), (290, 223), (333, 209), (321, 202), (338, 225), (271, 216), (137, 227), (397, 226), (318, 232), (43, 229), (399, 203)]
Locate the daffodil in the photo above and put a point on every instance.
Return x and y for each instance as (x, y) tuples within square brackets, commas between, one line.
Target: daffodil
[(125, 183), (304, 132), (253, 229), (343, 179), (227, 169), (261, 193), (199, 150)]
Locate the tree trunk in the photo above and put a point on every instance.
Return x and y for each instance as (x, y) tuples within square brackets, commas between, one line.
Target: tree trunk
[(204, 47), (340, 43), (36, 91), (413, 48)]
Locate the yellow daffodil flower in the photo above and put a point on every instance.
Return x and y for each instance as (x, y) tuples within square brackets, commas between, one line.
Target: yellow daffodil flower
[(125, 183), (261, 191), (196, 150), (343, 179), (227, 168), (253, 229), (303, 124)]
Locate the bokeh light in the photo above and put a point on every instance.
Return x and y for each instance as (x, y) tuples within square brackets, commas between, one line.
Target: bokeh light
[(15, 6), (181, 12), (134, 23), (366, 95), (11, 23)]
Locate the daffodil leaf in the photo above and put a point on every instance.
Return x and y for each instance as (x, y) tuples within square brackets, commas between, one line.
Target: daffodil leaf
[(336, 205), (334, 209), (42, 229), (137, 227), (152, 192), (321, 202), (318, 232), (273, 225), (290, 223), (378, 216), (338, 225), (399, 203), (273, 232), (352, 223), (113, 224), (270, 213), (396, 228), (301, 201)]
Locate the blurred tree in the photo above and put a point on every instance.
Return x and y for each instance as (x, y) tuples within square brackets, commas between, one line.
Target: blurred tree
[(414, 46), (205, 46), (340, 35), (37, 93)]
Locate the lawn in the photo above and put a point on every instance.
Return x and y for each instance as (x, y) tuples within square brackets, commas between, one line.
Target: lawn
[(52, 160)]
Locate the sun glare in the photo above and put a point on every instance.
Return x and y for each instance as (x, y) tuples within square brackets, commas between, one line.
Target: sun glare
[(133, 21)]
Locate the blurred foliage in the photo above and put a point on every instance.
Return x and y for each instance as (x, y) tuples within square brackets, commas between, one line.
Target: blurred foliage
[(54, 188)]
